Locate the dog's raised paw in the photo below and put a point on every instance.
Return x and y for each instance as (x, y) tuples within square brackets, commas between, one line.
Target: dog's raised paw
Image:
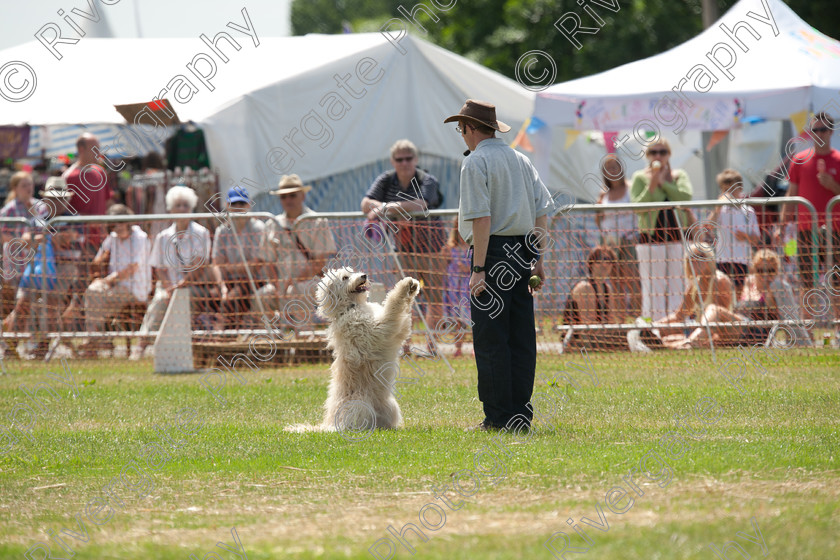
[(408, 286), (413, 287)]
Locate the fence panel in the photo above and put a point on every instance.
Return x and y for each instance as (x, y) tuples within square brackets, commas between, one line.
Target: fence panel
[(106, 302)]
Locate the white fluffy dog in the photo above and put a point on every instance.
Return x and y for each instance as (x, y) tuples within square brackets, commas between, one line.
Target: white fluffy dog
[(365, 339)]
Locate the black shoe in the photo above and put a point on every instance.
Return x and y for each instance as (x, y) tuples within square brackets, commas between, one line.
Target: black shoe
[(484, 427)]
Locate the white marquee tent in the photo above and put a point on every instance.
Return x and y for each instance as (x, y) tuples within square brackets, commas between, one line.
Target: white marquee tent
[(756, 67), (321, 106), (330, 130), (759, 62)]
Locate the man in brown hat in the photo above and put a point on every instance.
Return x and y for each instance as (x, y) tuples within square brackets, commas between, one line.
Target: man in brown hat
[(296, 250), (503, 215)]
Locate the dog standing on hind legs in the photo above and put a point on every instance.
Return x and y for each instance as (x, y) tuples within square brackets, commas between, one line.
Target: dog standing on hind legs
[(365, 339)]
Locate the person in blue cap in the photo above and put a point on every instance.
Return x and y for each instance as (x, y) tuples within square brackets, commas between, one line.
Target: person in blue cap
[(238, 296)]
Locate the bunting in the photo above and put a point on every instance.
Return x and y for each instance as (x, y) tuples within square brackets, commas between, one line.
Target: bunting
[(799, 120), (716, 138)]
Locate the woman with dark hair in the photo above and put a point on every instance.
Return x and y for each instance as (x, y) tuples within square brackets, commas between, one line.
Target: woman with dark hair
[(594, 301)]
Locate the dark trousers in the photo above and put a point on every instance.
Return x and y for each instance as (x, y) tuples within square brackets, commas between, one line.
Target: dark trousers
[(504, 336)]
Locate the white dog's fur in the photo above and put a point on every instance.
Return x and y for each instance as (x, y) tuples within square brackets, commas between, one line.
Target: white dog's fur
[(365, 338)]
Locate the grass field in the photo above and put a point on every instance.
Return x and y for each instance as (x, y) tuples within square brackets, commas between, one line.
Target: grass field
[(770, 455)]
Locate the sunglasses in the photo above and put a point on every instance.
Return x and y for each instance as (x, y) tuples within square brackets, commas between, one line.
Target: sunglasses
[(288, 195), (763, 270), (820, 129), (657, 152), (462, 129), (403, 159)]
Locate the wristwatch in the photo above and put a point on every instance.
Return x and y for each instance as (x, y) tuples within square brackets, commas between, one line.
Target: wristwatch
[(478, 269)]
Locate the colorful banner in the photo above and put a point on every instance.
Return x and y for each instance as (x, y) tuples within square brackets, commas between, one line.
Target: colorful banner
[(665, 113), (522, 140), (534, 125)]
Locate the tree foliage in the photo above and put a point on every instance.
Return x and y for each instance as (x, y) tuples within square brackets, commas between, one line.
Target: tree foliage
[(495, 33)]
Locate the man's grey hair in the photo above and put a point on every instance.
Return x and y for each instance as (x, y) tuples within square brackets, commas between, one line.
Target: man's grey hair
[(403, 146), (179, 192)]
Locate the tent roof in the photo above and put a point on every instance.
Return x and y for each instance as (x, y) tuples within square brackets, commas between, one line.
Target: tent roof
[(263, 95), (305, 123), (792, 67), (96, 74)]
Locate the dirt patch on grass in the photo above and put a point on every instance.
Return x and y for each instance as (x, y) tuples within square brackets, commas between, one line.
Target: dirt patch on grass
[(200, 512)]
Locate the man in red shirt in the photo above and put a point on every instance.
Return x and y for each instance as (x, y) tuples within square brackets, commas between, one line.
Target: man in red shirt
[(87, 179), (90, 183), (815, 176)]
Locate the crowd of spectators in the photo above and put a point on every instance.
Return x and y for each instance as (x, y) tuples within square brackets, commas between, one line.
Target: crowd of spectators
[(86, 277), (733, 271), (88, 274)]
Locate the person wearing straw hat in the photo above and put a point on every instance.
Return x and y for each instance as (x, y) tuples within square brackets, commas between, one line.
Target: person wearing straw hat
[(503, 202), (226, 255), (59, 251), (295, 249)]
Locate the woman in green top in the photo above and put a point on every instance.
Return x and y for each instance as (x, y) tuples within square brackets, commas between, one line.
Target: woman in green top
[(658, 183)]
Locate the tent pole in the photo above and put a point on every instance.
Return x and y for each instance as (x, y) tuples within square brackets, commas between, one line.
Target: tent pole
[(710, 13)]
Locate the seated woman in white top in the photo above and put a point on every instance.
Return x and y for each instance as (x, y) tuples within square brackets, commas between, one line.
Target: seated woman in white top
[(129, 278), (764, 294), (705, 286), (619, 232), (181, 259)]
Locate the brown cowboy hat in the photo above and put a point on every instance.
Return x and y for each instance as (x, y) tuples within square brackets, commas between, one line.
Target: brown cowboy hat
[(289, 184), (479, 112), (56, 187)]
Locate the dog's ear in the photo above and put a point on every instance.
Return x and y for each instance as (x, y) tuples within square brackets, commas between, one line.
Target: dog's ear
[(325, 302), (333, 298)]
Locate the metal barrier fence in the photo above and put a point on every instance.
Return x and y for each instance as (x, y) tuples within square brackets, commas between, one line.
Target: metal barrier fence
[(274, 275), (829, 240)]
